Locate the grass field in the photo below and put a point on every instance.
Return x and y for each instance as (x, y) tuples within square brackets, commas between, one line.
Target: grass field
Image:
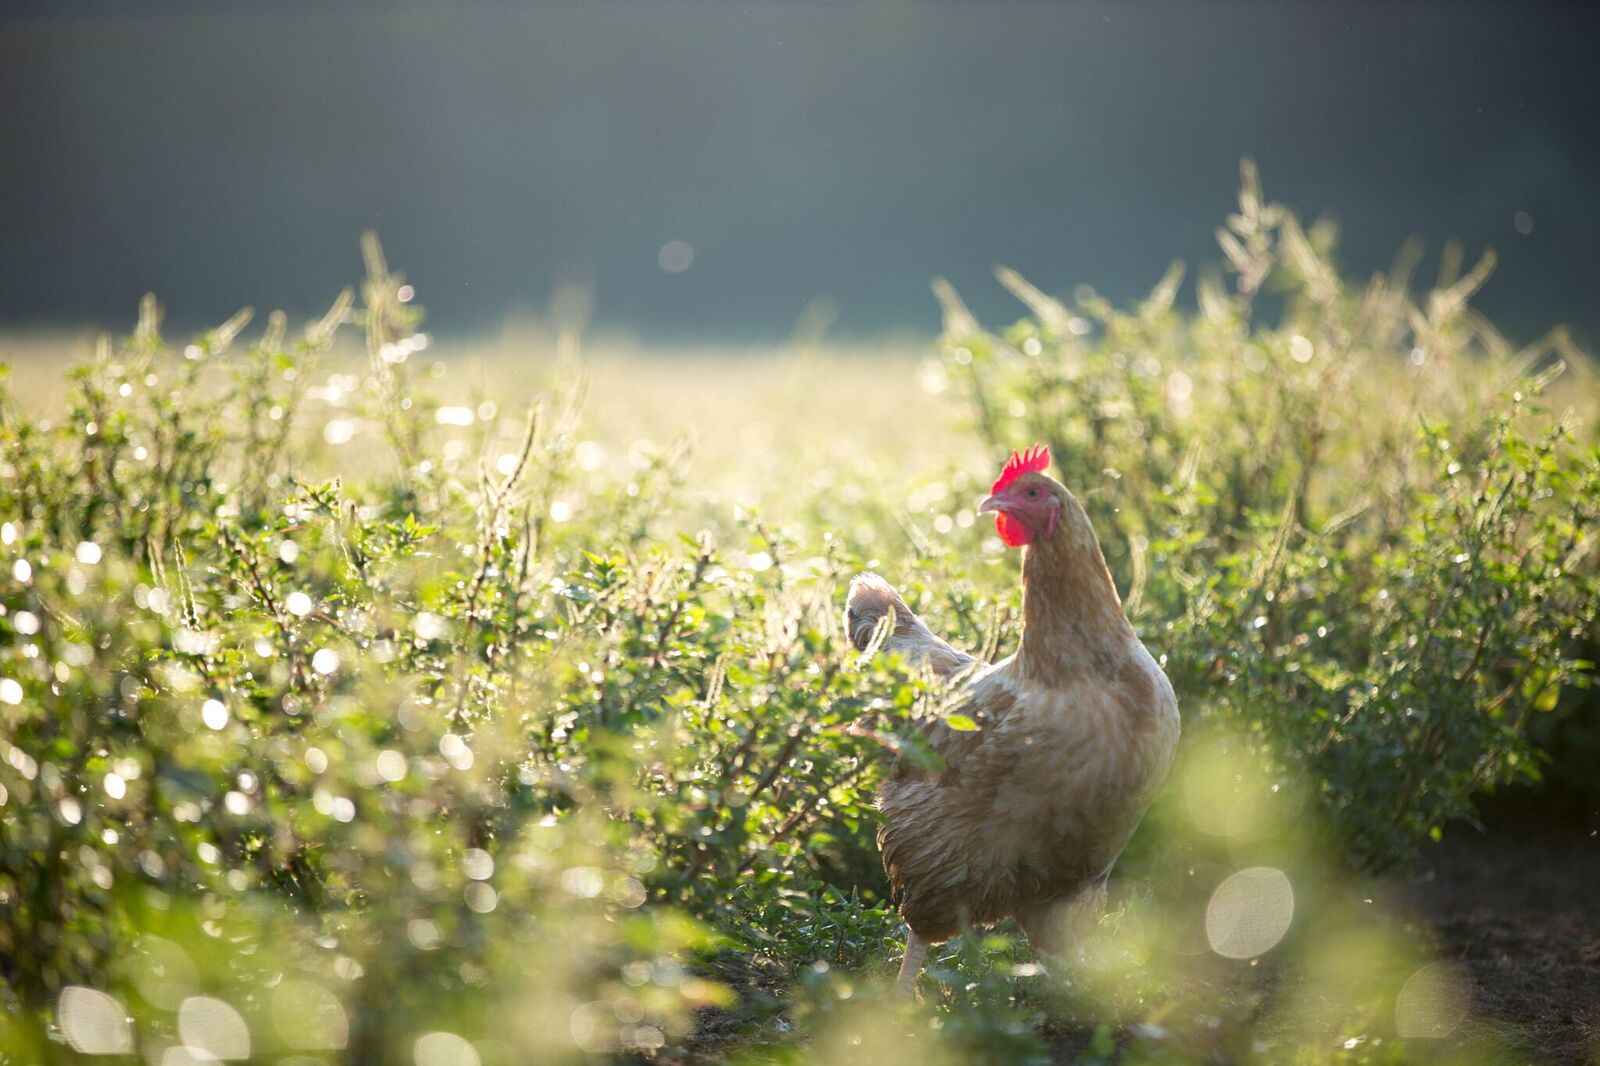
[(353, 713)]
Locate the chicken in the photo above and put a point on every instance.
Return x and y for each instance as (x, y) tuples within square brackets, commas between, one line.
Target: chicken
[(1075, 733)]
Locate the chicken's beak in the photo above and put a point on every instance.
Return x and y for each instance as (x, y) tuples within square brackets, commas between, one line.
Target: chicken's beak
[(991, 504)]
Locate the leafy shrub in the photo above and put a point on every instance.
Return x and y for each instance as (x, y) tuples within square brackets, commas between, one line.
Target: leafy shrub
[(413, 727)]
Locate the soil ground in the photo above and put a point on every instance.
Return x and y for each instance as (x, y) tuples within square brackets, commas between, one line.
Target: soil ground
[(1519, 909)]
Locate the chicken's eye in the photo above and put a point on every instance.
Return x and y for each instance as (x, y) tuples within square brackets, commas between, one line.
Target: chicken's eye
[(1033, 493)]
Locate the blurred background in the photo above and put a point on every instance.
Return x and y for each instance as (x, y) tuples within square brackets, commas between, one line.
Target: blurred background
[(694, 171), (369, 645)]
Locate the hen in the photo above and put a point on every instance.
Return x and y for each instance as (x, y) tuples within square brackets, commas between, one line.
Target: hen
[(1075, 732)]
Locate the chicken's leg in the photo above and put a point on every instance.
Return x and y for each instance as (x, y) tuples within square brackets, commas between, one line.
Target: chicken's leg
[(905, 986)]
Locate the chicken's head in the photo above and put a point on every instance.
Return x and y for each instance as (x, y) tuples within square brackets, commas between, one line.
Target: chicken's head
[(1027, 502)]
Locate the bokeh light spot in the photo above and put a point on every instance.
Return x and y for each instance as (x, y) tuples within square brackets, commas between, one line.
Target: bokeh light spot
[(480, 897), (1431, 1004), (391, 765), (585, 882), (309, 1017), (1249, 912), (339, 431), (444, 1049), (477, 864), (213, 1027), (214, 713), (93, 1022), (163, 972), (676, 256)]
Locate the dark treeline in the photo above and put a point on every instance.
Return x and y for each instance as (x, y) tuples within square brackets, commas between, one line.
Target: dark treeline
[(828, 156)]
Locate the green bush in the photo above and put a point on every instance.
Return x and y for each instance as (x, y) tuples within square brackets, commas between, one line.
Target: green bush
[(406, 728), (487, 752)]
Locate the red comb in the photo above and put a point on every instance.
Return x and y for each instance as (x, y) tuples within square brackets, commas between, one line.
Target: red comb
[(1032, 461)]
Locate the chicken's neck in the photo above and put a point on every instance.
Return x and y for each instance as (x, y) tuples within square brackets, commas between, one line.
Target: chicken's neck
[(1072, 619)]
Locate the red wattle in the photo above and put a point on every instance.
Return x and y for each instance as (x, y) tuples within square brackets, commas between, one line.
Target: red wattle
[(1013, 534)]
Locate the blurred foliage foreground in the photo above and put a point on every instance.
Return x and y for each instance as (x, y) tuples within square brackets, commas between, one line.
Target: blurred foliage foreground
[(515, 750)]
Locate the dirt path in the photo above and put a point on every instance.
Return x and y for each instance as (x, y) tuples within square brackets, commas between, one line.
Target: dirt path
[(1519, 910)]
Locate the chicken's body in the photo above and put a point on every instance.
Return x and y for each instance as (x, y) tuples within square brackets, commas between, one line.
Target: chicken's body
[(1075, 733)]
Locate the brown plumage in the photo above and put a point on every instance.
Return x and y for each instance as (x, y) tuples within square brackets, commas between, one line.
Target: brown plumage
[(1076, 732)]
